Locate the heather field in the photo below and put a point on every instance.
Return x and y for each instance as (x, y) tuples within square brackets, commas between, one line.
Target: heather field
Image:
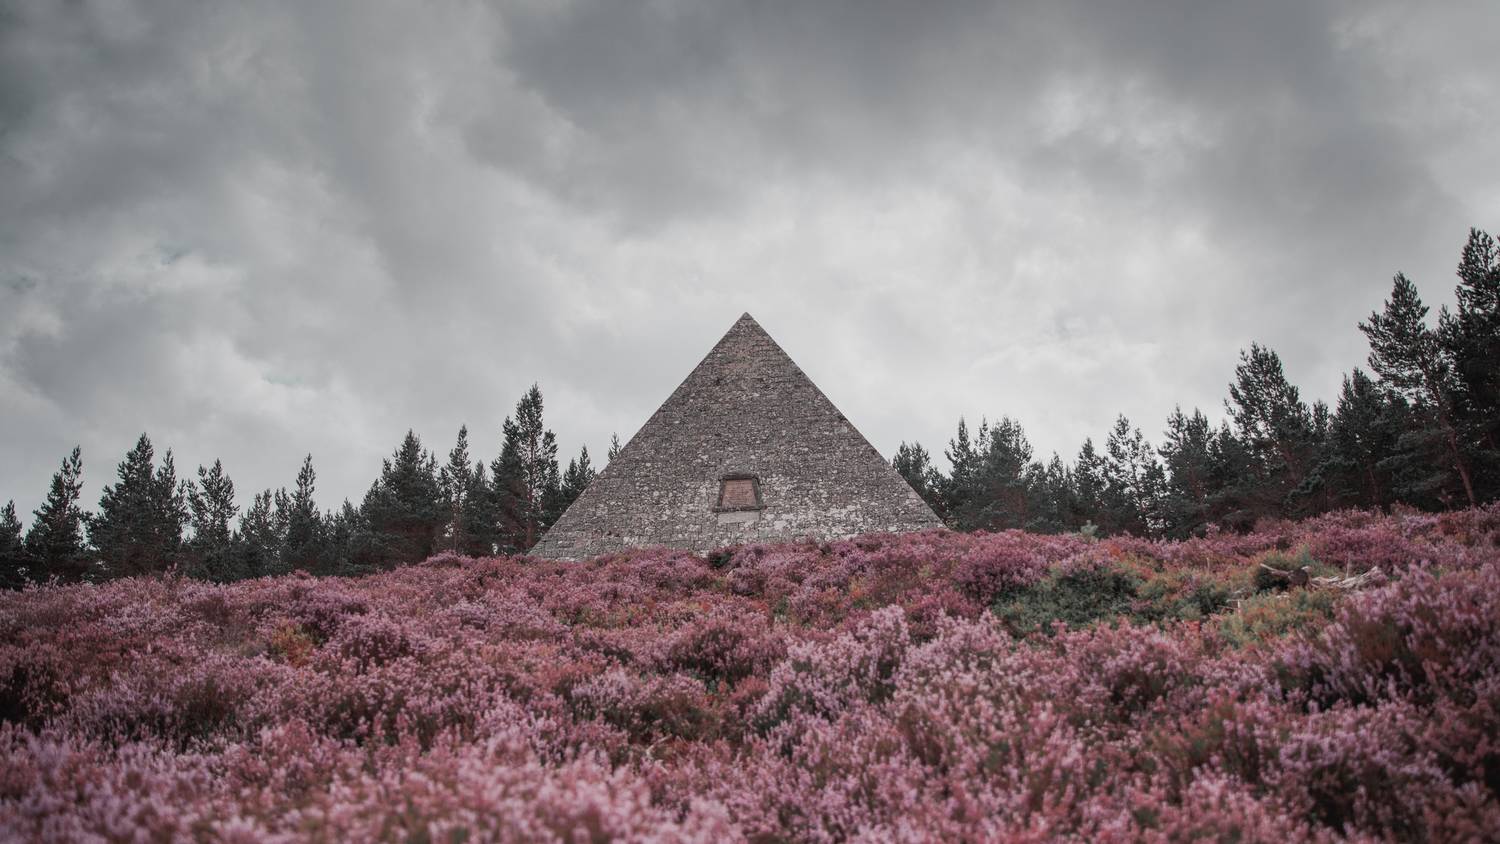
[(935, 686)]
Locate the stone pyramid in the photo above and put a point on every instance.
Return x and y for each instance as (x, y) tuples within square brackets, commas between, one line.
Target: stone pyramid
[(747, 449)]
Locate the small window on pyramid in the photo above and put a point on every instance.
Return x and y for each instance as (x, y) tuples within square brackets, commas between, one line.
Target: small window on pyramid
[(739, 492)]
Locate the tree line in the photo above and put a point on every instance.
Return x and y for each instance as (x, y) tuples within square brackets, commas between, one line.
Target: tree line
[(149, 520), (1420, 429)]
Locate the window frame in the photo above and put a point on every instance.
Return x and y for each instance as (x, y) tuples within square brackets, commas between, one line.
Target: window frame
[(724, 480)]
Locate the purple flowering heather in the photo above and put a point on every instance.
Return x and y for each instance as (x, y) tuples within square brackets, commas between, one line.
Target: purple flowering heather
[(853, 690)]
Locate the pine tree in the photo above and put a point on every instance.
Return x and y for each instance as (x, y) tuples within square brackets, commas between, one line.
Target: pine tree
[(14, 564), (257, 551), (1055, 505), (1236, 483), (55, 542), (1001, 489), (1471, 340), (1120, 513), (122, 529), (526, 477), (913, 463), (279, 516), (170, 507), (211, 509), (1089, 484), (344, 529), (1276, 428), (552, 498), (368, 548), (614, 449), (454, 480), (404, 510), (1363, 435), (579, 474), (1410, 361), (961, 488), (479, 516), (138, 529), (1133, 481), (1188, 464), (1314, 495), (302, 542), (508, 492)]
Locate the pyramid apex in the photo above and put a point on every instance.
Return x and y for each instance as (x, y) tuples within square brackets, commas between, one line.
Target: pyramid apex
[(745, 323)]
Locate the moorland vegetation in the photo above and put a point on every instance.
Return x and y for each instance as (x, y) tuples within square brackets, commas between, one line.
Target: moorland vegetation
[(1332, 679)]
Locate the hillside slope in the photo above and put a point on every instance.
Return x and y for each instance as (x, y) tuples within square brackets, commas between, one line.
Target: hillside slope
[(919, 687)]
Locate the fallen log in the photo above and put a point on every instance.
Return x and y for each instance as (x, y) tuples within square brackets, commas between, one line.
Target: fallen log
[(1303, 577)]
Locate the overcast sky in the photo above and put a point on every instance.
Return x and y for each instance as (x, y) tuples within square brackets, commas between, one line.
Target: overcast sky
[(261, 230)]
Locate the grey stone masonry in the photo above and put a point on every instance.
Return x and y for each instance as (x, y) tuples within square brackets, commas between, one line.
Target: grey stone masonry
[(747, 449)]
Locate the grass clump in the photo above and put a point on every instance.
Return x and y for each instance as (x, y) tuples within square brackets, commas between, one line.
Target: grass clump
[(1271, 615)]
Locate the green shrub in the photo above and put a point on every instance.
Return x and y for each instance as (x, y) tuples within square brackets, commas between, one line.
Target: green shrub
[(1124, 591), (1183, 595), (1077, 599)]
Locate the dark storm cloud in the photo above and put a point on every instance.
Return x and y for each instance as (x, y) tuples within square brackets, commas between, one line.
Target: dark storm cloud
[(262, 231)]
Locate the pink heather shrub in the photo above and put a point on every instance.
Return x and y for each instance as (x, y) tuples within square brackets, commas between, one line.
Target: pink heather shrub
[(646, 708), (1361, 768), (368, 641), (824, 678), (1357, 549), (867, 689), (725, 646), (998, 564), (320, 612), (925, 613), (1423, 636), (660, 569), (1130, 673)]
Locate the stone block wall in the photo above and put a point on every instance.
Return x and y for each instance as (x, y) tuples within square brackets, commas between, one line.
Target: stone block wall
[(746, 411)]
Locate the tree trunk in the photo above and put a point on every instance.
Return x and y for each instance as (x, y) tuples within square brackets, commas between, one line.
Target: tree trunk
[(1461, 466)]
